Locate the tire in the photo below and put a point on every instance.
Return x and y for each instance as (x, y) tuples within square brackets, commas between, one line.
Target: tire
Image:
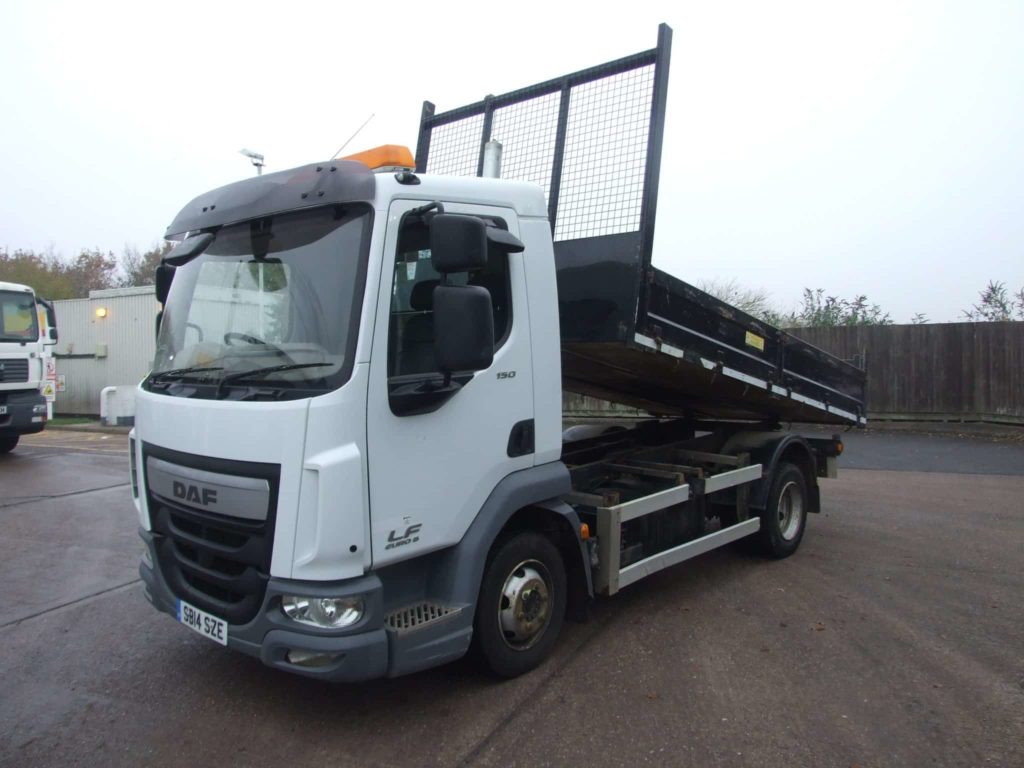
[(7, 443), (521, 607), (785, 516)]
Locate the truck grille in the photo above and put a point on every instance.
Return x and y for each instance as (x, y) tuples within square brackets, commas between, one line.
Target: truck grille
[(13, 371), (217, 562)]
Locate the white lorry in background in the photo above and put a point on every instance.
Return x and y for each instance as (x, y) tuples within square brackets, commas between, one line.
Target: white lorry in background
[(28, 328), (348, 459)]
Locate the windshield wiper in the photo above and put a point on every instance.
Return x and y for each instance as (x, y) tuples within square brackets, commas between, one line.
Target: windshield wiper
[(178, 373), (256, 373)]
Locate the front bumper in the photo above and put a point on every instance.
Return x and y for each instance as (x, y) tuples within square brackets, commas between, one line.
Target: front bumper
[(360, 652), (26, 412)]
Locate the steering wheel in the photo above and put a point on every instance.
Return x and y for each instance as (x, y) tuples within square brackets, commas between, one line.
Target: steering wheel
[(243, 337), (248, 339)]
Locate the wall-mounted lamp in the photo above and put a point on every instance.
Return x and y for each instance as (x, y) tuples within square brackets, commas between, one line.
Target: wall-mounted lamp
[(101, 312)]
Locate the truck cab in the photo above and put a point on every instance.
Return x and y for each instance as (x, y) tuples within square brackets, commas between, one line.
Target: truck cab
[(27, 328), (297, 433)]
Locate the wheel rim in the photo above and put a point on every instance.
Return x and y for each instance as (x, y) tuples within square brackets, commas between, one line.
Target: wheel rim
[(790, 510), (524, 608)]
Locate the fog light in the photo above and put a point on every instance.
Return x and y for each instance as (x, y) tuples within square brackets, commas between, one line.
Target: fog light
[(311, 658), (327, 612)]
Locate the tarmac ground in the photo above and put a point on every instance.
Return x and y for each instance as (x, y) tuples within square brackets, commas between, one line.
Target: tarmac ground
[(893, 637)]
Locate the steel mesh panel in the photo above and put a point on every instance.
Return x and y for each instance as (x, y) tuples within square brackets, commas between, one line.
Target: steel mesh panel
[(604, 160), (527, 132), (455, 147), (591, 139), (605, 156)]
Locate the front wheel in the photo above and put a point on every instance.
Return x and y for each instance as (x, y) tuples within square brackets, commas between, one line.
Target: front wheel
[(522, 605), (785, 515), (7, 443)]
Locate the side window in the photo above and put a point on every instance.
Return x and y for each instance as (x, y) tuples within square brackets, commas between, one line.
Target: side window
[(411, 327)]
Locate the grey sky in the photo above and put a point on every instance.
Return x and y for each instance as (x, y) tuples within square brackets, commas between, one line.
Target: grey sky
[(862, 148)]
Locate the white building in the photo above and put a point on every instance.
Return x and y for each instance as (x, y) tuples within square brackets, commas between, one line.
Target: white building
[(106, 340)]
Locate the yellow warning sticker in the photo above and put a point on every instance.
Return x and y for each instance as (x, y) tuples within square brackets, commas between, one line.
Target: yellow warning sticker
[(755, 341)]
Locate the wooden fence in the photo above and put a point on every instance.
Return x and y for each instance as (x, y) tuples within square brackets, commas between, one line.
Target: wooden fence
[(942, 371)]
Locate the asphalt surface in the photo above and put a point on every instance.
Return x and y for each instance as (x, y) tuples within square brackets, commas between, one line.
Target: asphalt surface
[(894, 637), (998, 451)]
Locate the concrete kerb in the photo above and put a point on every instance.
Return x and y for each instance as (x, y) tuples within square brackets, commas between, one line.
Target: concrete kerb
[(91, 427), (975, 429)]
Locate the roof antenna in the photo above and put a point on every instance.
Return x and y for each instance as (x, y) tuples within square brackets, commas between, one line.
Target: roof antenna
[(353, 136)]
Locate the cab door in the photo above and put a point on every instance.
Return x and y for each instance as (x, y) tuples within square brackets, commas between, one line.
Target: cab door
[(430, 472)]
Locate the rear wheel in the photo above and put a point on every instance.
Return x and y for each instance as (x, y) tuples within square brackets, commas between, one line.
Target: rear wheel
[(785, 515), (7, 443), (522, 605)]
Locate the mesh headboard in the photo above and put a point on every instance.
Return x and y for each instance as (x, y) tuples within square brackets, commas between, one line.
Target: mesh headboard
[(592, 141)]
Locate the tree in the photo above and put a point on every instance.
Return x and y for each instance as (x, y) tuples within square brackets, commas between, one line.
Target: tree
[(140, 268), (54, 278), (753, 301), (819, 309), (43, 271), (92, 270), (996, 304)]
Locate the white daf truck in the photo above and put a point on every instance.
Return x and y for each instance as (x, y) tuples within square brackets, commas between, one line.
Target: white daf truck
[(28, 326), (348, 460)]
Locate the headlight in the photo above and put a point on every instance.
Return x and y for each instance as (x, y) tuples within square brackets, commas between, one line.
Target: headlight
[(39, 409), (326, 612)]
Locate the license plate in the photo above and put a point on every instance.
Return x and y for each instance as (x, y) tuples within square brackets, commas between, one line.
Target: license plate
[(3, 410), (202, 622)]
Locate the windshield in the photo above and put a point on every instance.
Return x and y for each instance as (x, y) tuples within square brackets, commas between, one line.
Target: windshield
[(18, 321), (270, 309)]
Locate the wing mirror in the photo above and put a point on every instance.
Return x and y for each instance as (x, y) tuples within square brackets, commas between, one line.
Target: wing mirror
[(463, 328), (457, 243), (460, 243), (164, 278), (188, 249), (463, 319)]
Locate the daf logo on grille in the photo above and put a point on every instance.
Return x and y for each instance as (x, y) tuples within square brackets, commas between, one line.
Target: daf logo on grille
[(196, 494), (204, 491)]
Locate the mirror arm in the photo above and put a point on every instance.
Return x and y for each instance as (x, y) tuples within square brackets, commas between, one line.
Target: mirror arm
[(433, 208)]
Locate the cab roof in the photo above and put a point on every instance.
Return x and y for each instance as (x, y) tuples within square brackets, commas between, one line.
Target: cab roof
[(338, 181), (343, 181)]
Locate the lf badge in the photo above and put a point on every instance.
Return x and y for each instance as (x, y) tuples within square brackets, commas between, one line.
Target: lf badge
[(398, 538)]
